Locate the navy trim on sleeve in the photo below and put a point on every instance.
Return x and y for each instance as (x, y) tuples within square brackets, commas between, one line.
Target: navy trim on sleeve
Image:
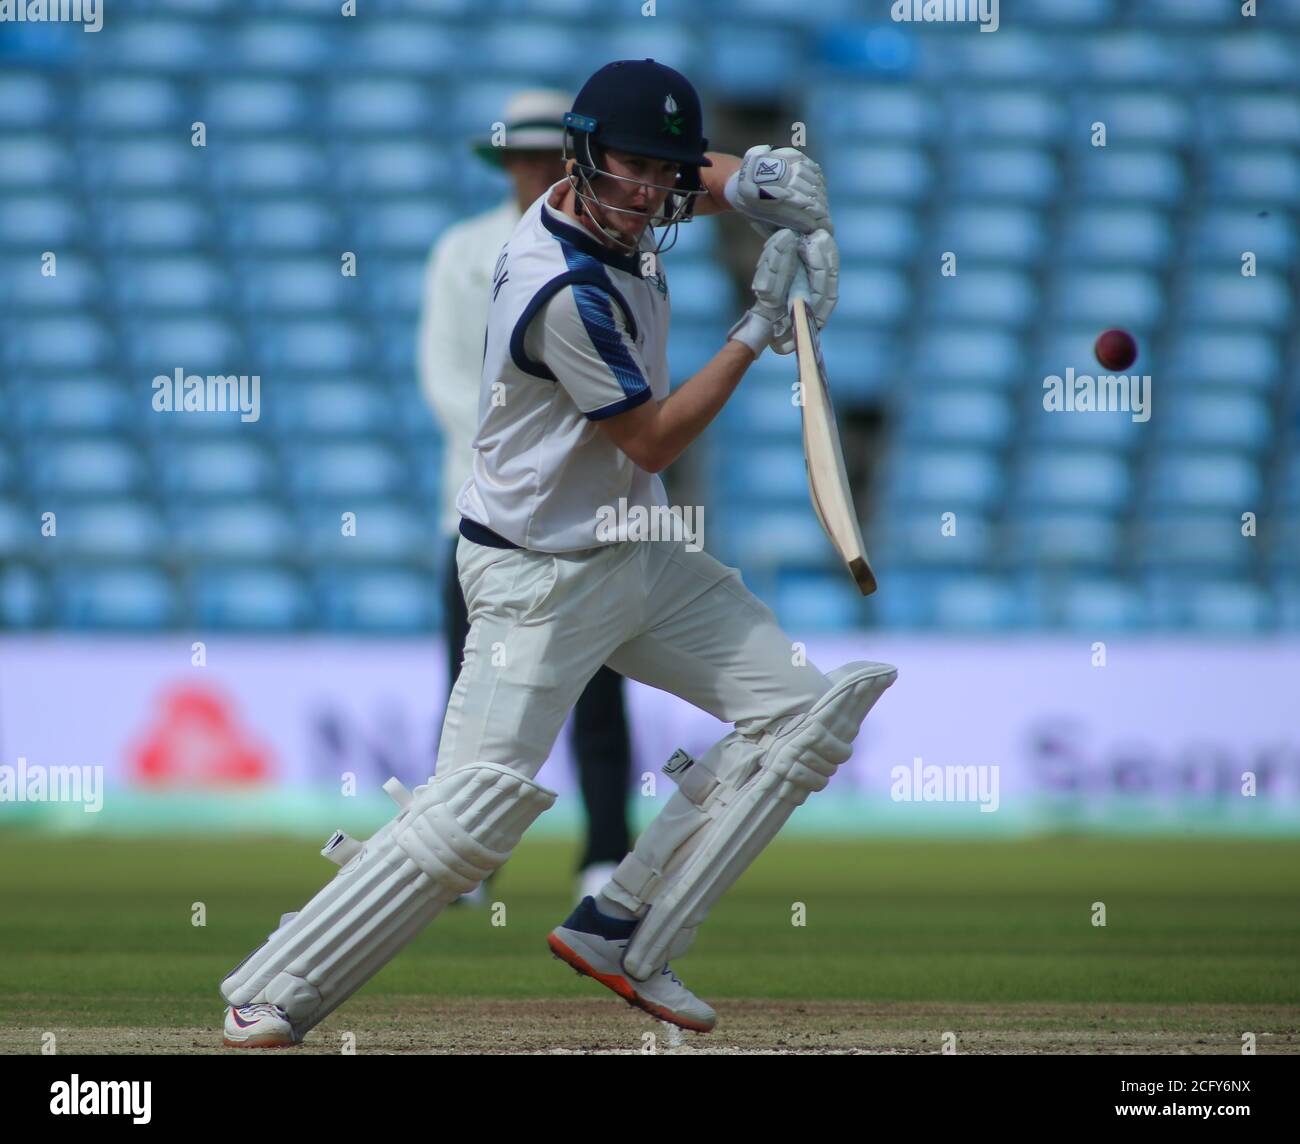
[(587, 276), (629, 402)]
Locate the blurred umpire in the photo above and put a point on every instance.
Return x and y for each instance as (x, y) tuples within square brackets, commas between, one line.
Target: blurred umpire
[(453, 322)]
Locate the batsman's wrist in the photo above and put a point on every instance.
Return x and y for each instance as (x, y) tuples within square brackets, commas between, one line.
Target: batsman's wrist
[(753, 331)]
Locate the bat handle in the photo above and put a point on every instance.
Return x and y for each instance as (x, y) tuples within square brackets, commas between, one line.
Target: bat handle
[(799, 286)]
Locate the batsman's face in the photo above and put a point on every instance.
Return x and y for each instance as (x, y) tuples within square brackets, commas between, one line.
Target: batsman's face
[(646, 202)]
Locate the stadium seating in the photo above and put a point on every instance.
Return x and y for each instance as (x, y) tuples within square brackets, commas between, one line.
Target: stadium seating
[(324, 139)]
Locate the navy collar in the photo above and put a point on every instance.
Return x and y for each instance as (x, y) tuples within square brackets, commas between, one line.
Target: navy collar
[(576, 235)]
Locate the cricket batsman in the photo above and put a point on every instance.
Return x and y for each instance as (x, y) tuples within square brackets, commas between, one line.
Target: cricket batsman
[(575, 416)]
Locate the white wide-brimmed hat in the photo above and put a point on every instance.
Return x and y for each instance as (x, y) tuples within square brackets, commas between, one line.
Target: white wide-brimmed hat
[(534, 121)]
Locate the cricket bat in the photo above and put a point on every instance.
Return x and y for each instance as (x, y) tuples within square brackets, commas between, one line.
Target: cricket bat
[(828, 481)]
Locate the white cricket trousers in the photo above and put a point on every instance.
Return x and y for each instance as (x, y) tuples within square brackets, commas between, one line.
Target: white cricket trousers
[(542, 623)]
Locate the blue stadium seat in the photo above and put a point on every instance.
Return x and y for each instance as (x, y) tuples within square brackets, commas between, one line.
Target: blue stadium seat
[(1211, 606), (1127, 298), (807, 602), (872, 50), (871, 295), (1074, 478), (28, 100), (874, 112), (947, 478), (1100, 605), (1224, 234), (1129, 174), (195, 344), (256, 106), (979, 603), (250, 598), (760, 412), (1236, 359), (132, 103), (376, 104), (345, 471), (1005, 174), (243, 530), (1194, 12), (99, 466), (550, 53), (948, 355), (72, 405), (409, 412), (1271, 118), (150, 162), (1226, 297), (879, 232), (1079, 13), (422, 48), (336, 407), (673, 43), (155, 222), (988, 232), (1011, 54), (753, 61), (1204, 479), (1012, 115), (34, 161), (1116, 56), (160, 45), (956, 416), (298, 286), (1259, 60), (56, 344), (385, 531), (407, 225), (1159, 118), (24, 595), (1256, 177), (20, 528), (878, 171), (770, 538), (379, 600), (862, 363), (139, 597), (1119, 235), (1217, 418), (979, 295), (44, 222), (703, 289), (284, 224), (76, 285), (1072, 538), (1187, 539), (221, 468), (394, 167), (186, 282), (267, 165), (913, 535), (768, 474), (398, 288), (303, 345), (279, 46), (109, 530)]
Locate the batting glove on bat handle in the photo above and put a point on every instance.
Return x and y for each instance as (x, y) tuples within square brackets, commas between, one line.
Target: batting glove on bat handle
[(768, 319)]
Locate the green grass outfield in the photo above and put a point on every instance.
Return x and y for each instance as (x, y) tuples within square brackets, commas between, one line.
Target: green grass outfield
[(98, 931)]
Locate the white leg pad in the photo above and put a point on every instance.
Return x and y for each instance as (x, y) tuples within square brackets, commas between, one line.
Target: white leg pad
[(451, 835), (729, 805)]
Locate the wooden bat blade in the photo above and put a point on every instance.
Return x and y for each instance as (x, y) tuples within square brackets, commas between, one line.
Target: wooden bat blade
[(828, 481)]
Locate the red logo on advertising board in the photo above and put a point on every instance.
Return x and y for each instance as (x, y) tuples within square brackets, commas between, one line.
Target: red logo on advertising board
[(197, 741)]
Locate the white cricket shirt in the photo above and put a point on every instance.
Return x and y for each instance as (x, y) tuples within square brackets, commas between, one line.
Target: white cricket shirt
[(575, 334)]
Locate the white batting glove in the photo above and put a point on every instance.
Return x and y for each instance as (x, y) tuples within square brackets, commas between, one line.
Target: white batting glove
[(781, 188), (769, 319), (820, 255)]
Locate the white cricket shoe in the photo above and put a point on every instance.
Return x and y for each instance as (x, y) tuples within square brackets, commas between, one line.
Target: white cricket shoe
[(593, 878), (258, 1026), (593, 944)]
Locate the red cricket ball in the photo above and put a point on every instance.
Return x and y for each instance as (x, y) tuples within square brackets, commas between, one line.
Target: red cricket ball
[(1116, 349)]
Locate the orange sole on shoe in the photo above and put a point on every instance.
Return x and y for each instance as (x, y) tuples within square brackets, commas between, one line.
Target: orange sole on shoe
[(258, 1044), (623, 987)]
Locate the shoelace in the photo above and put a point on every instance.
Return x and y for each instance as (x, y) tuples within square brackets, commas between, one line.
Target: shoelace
[(260, 1009), (668, 971)]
